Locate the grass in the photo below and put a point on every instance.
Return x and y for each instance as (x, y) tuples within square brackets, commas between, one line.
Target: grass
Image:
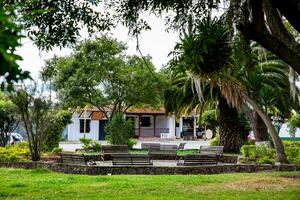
[(43, 184)]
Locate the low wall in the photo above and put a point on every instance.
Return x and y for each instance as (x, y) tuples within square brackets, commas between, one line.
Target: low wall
[(224, 158), (151, 170)]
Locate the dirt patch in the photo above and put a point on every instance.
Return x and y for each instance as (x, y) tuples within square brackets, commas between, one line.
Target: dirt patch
[(264, 183), (256, 184)]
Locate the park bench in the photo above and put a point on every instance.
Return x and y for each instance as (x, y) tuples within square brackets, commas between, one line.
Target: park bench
[(181, 146), (109, 150), (131, 159), (147, 146), (191, 160), (164, 150), (78, 159), (211, 150)]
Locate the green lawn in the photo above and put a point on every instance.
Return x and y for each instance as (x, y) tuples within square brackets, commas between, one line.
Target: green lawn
[(42, 184)]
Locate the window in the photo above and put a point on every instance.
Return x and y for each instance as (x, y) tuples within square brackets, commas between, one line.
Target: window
[(87, 125), (145, 121)]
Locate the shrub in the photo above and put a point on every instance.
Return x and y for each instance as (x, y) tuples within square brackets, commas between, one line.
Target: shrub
[(14, 154), (215, 141), (291, 144), (56, 150), (119, 130), (59, 121), (246, 150), (23, 145), (293, 154), (131, 143), (258, 154), (89, 144)]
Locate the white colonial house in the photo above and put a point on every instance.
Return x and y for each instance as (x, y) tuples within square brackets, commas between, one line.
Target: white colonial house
[(147, 123)]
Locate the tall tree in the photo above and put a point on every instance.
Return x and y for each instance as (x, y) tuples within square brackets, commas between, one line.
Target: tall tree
[(42, 122), (100, 74), (266, 79), (205, 55)]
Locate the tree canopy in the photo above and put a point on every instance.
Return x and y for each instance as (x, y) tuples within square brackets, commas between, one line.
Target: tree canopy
[(99, 73)]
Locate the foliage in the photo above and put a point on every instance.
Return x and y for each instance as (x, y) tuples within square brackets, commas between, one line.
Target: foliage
[(210, 118), (59, 120), (293, 154), (56, 150), (10, 35), (131, 143), (293, 124), (258, 154), (8, 120), (205, 51), (90, 145), (266, 155), (215, 141), (119, 130), (35, 114), (99, 73), (14, 153), (57, 23), (292, 150)]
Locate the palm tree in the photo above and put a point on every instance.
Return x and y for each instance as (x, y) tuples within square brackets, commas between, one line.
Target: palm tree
[(267, 82), (205, 57)]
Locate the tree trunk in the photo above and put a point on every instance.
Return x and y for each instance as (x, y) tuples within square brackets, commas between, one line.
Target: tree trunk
[(259, 128), (280, 155), (230, 130)]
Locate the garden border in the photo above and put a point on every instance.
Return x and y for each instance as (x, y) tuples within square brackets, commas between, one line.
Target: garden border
[(149, 170)]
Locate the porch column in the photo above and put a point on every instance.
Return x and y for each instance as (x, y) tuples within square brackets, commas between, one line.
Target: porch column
[(139, 125), (154, 125), (172, 127)]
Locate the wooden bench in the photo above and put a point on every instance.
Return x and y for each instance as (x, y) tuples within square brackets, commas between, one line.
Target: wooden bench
[(211, 150), (108, 150), (131, 159), (78, 159), (169, 150), (191, 160), (181, 146), (148, 146)]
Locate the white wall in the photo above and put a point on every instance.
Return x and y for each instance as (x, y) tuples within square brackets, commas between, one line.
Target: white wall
[(74, 128), (284, 131), (162, 121)]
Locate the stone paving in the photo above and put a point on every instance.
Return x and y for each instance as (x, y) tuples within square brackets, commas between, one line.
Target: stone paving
[(194, 144)]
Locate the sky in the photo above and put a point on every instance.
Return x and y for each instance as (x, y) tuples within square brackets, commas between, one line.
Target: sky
[(155, 42)]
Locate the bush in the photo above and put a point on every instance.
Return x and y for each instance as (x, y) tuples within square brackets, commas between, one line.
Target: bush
[(258, 154), (58, 122), (215, 141), (56, 150), (14, 154), (89, 144), (119, 130), (131, 143), (291, 144)]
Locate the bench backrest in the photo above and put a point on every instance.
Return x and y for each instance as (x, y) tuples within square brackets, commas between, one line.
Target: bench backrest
[(130, 159), (148, 146), (73, 158), (107, 149), (201, 159), (168, 147), (218, 150), (181, 146)]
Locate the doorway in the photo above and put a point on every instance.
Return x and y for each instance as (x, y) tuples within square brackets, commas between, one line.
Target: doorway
[(102, 124)]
